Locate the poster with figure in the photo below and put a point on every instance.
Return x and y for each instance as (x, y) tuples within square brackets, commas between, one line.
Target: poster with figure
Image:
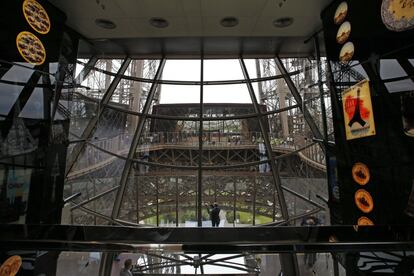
[(358, 114)]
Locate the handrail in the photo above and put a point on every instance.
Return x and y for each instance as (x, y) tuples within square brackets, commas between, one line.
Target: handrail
[(99, 154)]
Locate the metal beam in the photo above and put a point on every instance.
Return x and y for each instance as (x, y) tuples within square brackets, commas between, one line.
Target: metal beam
[(87, 133), (93, 198), (407, 66), (86, 70), (208, 240), (308, 118), (288, 261), (134, 144), (200, 149), (275, 175), (321, 93)]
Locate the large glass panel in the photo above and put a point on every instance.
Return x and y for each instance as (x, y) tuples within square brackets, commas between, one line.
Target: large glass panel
[(182, 70), (266, 203), (132, 94), (78, 263), (168, 201), (95, 176), (160, 198), (15, 186), (217, 189), (82, 110), (34, 108), (8, 96), (175, 94), (406, 85), (20, 73), (96, 82), (187, 187), (230, 94), (390, 68), (244, 187), (114, 131), (215, 70)]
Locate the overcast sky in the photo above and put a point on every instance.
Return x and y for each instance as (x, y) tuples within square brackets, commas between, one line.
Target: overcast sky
[(189, 70)]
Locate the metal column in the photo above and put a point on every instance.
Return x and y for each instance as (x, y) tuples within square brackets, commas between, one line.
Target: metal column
[(200, 149), (288, 261), (135, 141), (272, 163)]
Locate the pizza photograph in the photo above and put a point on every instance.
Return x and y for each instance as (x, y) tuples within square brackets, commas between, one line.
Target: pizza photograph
[(347, 52), (36, 16), (31, 48), (341, 13), (364, 201), (364, 221), (360, 173), (343, 32)]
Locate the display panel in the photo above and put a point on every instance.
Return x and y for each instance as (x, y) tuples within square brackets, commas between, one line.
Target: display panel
[(373, 157)]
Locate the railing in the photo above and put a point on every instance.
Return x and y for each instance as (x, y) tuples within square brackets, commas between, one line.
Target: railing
[(94, 158), (314, 156), (212, 139)]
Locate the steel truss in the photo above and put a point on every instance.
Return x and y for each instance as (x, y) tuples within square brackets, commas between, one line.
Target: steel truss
[(143, 193)]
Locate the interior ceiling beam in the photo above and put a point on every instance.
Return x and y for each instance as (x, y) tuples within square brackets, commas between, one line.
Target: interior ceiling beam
[(190, 47)]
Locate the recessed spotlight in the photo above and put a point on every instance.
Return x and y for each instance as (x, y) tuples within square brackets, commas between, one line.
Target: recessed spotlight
[(159, 22), (283, 22), (229, 22), (105, 23)]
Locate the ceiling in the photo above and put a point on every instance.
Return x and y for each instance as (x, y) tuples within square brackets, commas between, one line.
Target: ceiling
[(195, 23)]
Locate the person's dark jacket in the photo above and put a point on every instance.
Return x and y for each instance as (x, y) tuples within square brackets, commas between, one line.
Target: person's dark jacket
[(215, 213)]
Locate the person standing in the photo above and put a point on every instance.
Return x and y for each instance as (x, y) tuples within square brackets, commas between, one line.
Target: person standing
[(214, 212), (215, 215), (126, 271)]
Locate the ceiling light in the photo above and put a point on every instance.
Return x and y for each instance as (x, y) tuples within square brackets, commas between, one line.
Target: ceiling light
[(105, 23), (159, 22), (229, 22), (283, 22)]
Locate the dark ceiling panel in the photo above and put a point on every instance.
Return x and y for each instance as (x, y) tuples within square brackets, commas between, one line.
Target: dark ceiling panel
[(192, 47)]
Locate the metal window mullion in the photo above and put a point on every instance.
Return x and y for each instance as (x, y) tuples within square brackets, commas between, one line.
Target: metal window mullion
[(135, 141), (234, 202), (86, 70), (176, 201), (94, 121), (99, 215), (93, 198), (254, 199), (407, 67), (200, 147), (295, 93), (321, 92), (276, 179), (157, 200)]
